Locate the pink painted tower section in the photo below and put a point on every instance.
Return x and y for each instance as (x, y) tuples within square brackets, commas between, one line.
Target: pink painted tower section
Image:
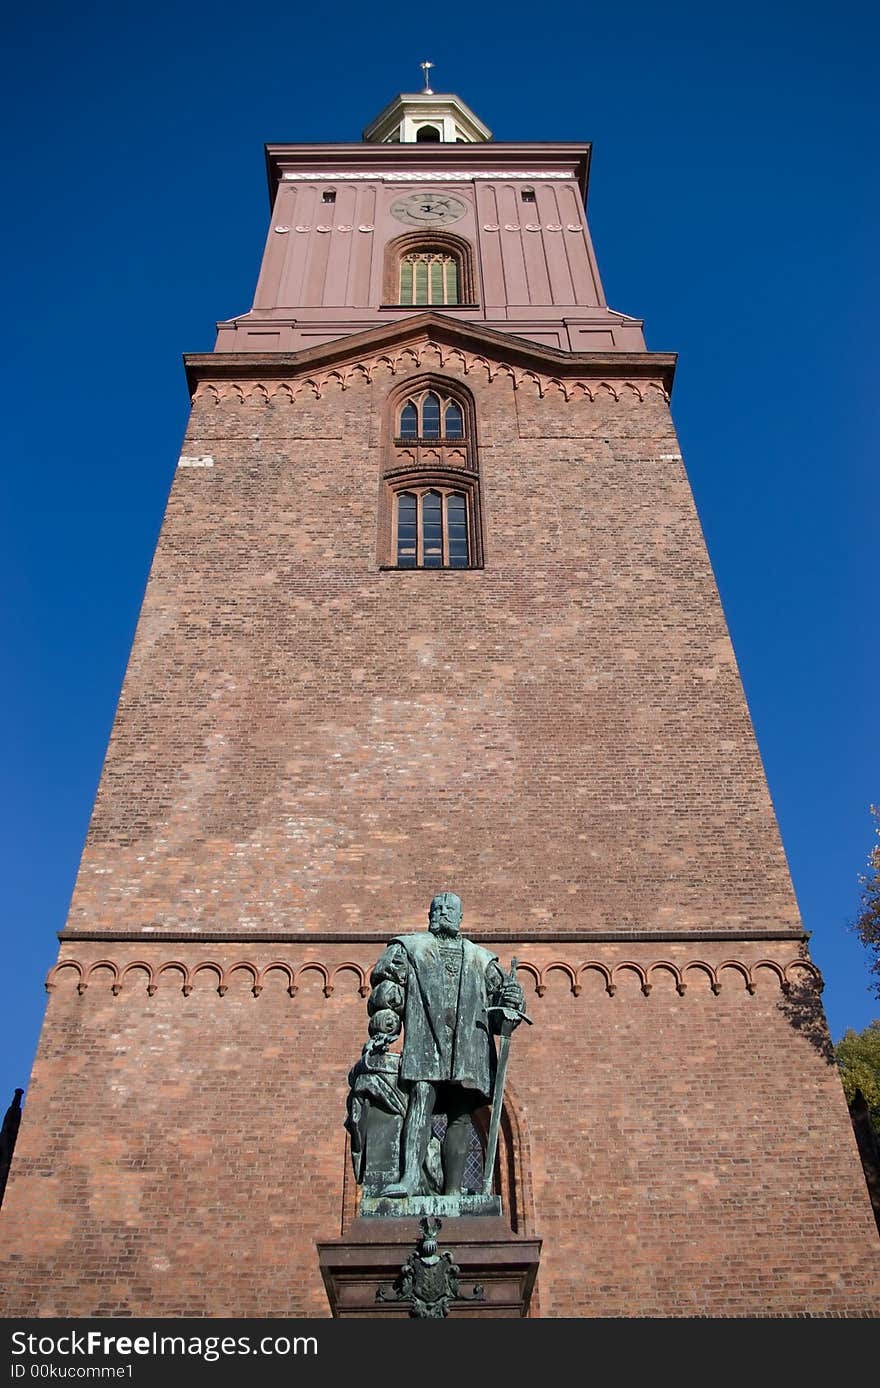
[(511, 216)]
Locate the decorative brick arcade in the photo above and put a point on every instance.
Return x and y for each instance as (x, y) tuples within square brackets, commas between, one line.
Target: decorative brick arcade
[(312, 739)]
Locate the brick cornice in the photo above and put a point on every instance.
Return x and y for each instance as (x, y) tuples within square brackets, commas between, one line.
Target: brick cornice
[(375, 937), (614, 975), (448, 335)]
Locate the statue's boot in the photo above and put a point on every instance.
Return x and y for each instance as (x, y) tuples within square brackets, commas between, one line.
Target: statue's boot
[(400, 1189)]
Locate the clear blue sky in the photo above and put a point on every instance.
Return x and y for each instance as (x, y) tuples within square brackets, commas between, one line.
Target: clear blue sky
[(734, 206)]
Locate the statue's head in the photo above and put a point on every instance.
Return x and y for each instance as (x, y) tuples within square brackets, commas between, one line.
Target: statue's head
[(444, 916)]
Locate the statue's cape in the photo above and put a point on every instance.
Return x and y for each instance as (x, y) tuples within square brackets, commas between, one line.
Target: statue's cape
[(432, 1050)]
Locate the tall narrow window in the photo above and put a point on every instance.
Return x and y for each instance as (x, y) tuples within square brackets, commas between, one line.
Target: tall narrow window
[(409, 421), (429, 277), (453, 421), (407, 530), (456, 531), (430, 416), (432, 530)]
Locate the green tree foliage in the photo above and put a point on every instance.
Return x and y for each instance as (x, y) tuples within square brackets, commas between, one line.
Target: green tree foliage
[(858, 1056), (867, 926)]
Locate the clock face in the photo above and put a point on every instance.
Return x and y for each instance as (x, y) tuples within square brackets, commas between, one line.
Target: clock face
[(428, 209)]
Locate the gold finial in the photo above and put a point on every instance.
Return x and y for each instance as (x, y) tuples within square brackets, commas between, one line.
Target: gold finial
[(426, 68)]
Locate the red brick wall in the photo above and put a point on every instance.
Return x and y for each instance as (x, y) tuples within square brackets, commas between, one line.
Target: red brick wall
[(685, 1154), (307, 744)]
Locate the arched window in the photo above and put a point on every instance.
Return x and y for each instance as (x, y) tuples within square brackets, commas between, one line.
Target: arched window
[(428, 133), (427, 416), (429, 269), (429, 277), (431, 514), (409, 421), (453, 425)]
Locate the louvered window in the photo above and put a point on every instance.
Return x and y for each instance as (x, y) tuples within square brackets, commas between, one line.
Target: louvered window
[(429, 277)]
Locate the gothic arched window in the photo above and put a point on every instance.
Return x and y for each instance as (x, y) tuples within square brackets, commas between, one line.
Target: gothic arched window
[(429, 269), (426, 416), (431, 512)]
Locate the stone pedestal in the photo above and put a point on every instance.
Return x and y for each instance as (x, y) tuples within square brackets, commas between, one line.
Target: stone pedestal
[(371, 1253)]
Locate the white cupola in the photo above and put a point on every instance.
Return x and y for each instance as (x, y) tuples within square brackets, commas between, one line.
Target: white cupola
[(426, 117)]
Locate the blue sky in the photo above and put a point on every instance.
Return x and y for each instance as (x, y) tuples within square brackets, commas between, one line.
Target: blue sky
[(734, 206)]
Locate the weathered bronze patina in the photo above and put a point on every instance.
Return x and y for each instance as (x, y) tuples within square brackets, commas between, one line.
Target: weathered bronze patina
[(429, 1279), (449, 997)]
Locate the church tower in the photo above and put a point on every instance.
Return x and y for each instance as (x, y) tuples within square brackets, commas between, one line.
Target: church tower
[(431, 610)]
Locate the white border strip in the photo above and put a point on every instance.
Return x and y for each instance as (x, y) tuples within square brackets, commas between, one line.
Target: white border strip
[(424, 176)]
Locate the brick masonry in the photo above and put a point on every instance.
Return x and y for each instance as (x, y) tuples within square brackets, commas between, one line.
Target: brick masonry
[(310, 746), (306, 742)]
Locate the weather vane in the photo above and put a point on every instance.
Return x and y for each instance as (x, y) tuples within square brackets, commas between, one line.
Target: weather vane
[(426, 68)]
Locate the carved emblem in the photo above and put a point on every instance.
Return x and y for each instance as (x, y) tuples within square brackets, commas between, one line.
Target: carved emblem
[(429, 1280)]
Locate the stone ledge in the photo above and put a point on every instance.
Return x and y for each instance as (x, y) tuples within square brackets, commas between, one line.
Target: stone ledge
[(442, 1206)]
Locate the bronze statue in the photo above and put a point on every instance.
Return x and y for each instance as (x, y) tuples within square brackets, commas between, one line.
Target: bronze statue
[(450, 997)]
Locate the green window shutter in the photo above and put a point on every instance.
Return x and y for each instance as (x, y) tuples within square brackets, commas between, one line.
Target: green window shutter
[(421, 278), (451, 282), (406, 281), (436, 281)]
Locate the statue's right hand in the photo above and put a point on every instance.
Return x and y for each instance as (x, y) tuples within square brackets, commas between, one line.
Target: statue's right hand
[(512, 996)]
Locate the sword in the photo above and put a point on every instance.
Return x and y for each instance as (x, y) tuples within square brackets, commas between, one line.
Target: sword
[(509, 1020)]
